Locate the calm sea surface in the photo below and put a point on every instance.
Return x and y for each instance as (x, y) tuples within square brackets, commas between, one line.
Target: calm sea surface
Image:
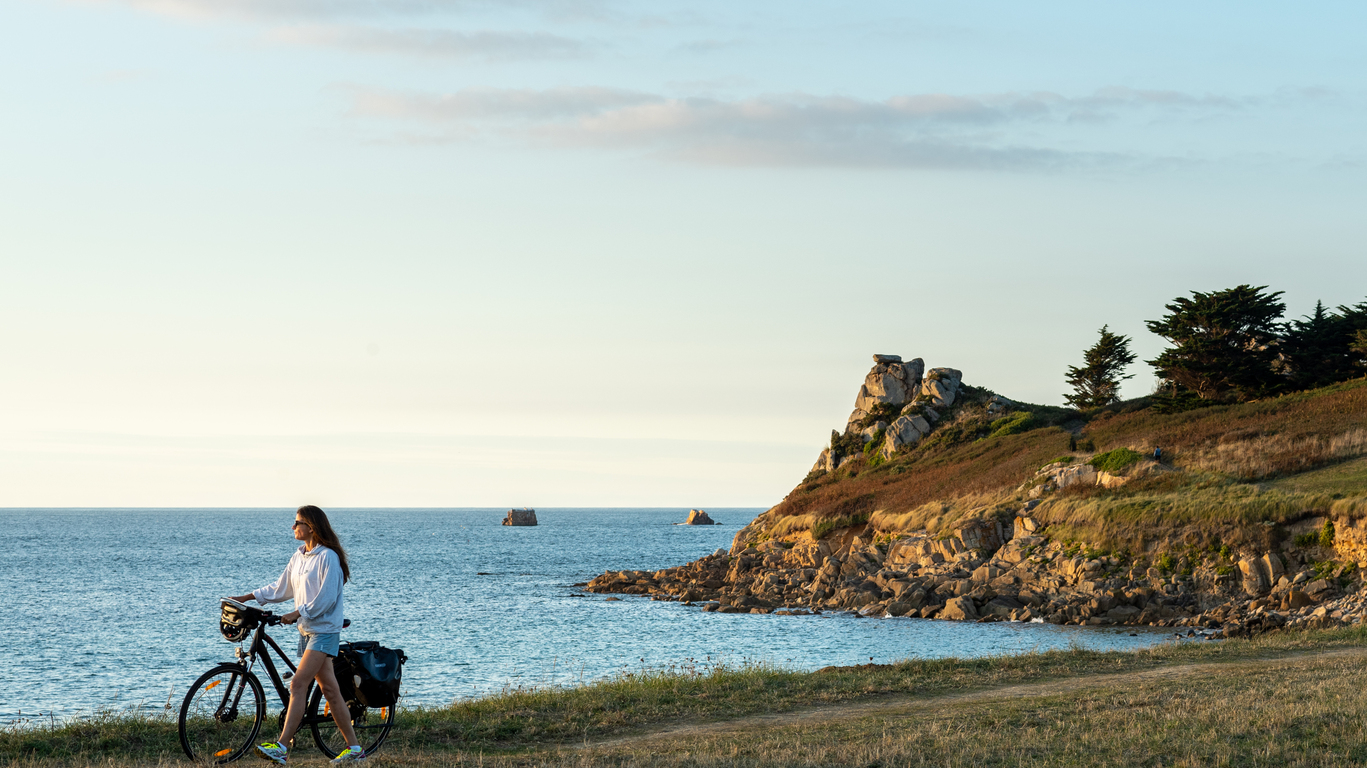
[(119, 607)]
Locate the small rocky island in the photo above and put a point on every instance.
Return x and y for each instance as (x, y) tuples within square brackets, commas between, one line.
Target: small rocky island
[(699, 517), (520, 517)]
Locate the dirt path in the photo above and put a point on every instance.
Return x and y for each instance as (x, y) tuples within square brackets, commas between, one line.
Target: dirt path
[(904, 704)]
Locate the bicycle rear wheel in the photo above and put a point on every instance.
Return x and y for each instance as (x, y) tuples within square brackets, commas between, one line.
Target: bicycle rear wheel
[(221, 715), (371, 724)]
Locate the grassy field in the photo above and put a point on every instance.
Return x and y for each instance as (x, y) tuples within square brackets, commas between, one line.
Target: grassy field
[(1285, 697)]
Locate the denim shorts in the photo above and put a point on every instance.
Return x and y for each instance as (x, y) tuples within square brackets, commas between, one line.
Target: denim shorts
[(326, 642)]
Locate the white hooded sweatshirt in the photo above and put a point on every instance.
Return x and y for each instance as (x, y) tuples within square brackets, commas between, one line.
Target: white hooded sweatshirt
[(314, 580)]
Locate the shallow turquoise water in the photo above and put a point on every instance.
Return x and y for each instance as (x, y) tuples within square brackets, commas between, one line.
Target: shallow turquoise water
[(119, 607)]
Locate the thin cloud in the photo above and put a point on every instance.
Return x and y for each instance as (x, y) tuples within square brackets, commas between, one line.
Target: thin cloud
[(918, 130), (275, 10), (434, 43)]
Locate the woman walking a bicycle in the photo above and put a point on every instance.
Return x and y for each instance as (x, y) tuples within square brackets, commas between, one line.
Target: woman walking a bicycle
[(314, 579)]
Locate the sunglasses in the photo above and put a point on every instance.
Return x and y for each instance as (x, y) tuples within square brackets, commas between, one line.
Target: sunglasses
[(298, 523)]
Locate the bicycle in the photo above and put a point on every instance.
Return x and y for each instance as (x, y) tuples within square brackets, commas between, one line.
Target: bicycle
[(221, 716)]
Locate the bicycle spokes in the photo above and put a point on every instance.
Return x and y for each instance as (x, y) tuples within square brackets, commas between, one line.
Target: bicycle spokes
[(221, 714)]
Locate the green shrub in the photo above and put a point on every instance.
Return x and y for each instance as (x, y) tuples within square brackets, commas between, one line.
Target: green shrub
[(874, 445), (1326, 538), (1012, 424), (1059, 460), (1165, 562), (1113, 461)]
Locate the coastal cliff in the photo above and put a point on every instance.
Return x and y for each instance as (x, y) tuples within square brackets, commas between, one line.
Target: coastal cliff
[(944, 500)]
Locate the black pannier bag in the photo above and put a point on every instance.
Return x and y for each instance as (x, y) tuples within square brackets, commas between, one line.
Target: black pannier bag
[(369, 672)]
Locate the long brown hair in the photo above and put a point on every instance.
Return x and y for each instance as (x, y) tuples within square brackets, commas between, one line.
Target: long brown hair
[(323, 534)]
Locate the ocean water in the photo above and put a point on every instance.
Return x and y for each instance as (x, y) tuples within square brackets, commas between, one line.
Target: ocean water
[(119, 607)]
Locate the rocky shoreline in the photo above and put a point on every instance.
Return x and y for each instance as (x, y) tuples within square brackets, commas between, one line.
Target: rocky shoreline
[(993, 571)]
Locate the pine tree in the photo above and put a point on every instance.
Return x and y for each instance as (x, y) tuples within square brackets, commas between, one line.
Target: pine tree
[(1225, 344), (1097, 382)]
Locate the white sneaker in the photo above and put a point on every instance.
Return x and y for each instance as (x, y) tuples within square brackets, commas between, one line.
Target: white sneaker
[(349, 755)]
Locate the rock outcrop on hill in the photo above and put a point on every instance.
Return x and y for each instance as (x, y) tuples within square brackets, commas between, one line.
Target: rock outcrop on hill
[(898, 404)]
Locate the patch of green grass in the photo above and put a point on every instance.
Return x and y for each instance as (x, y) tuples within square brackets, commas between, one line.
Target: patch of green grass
[(1059, 460), (823, 527), (1346, 478), (1114, 461)]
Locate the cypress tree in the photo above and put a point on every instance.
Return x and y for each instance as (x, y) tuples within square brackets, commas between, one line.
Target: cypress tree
[(1097, 382), (1224, 344)]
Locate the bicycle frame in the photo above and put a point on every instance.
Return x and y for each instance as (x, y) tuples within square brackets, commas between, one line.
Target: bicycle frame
[(262, 643)]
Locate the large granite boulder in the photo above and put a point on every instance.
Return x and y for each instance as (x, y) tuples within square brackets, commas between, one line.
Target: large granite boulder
[(941, 386), (959, 609), (823, 462), (905, 431), (699, 517), (520, 517), (890, 382)]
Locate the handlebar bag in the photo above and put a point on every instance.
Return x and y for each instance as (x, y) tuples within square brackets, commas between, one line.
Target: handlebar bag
[(375, 672)]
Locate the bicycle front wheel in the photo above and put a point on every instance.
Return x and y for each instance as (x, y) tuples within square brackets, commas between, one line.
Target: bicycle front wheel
[(221, 715), (371, 724)]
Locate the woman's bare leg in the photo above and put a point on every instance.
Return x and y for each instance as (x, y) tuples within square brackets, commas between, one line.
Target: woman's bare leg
[(309, 666), (341, 713)]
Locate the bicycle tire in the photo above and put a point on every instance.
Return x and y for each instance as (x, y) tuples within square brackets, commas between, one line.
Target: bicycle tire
[(214, 728), (372, 725)]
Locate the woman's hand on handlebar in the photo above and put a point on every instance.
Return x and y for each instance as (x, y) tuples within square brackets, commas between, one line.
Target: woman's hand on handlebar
[(290, 617), (244, 598)]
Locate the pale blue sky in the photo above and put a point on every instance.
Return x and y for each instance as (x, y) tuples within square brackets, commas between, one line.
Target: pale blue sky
[(268, 252)]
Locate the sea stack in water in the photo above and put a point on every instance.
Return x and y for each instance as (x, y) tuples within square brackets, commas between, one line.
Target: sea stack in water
[(520, 517), (699, 517)]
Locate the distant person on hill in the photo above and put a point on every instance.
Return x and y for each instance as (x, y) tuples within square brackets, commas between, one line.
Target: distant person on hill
[(314, 579), (1158, 454)]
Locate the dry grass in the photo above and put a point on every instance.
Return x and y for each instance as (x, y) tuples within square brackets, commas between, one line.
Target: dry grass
[(1299, 713), (941, 515), (1261, 457), (1352, 507)]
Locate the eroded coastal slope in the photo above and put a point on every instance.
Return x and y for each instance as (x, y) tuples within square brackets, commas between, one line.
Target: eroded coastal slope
[(944, 500)]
